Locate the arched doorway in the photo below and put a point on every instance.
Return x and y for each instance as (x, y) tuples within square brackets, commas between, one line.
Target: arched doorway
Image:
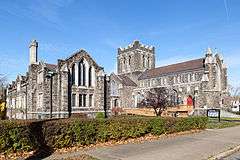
[(189, 101)]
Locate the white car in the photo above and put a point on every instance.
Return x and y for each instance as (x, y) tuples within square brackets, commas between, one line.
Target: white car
[(235, 108)]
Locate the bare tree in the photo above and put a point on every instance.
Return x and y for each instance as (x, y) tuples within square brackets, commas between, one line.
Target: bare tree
[(234, 91), (232, 96), (3, 79), (3, 83), (158, 99)]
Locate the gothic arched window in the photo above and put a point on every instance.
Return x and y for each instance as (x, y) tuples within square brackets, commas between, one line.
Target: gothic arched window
[(90, 76), (148, 62), (143, 60), (114, 88), (81, 74), (129, 60), (84, 74), (124, 60), (73, 74)]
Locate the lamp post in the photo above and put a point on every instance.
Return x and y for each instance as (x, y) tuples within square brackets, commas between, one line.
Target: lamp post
[(177, 97), (26, 100), (105, 95), (50, 75)]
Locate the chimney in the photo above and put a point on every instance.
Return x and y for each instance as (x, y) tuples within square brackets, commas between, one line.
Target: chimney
[(33, 49)]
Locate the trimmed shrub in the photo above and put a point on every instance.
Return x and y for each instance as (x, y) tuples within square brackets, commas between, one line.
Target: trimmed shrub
[(30, 135), (158, 126), (100, 115), (102, 131), (85, 132), (16, 137)]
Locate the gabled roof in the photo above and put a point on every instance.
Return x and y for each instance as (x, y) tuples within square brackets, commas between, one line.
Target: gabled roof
[(173, 68), (125, 80), (51, 67), (84, 54)]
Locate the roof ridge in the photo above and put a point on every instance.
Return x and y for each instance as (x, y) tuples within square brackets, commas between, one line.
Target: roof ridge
[(172, 68), (176, 63), (51, 64)]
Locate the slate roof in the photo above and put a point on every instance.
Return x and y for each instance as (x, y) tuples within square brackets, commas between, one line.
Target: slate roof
[(51, 67), (173, 68), (126, 81)]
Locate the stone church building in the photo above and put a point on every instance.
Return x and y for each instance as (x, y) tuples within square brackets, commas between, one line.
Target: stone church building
[(76, 85), (72, 86), (204, 80)]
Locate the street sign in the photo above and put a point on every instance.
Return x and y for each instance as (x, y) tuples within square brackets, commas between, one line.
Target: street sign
[(213, 113)]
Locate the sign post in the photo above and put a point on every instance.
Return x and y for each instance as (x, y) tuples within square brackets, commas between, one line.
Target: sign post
[(214, 113)]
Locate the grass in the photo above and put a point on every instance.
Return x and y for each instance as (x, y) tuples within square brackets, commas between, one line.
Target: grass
[(230, 119), (224, 123)]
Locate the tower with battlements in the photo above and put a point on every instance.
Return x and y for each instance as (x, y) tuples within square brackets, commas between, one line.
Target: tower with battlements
[(136, 57)]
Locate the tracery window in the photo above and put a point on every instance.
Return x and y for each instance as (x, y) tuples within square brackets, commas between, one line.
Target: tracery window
[(90, 76), (90, 100), (114, 88), (82, 100), (148, 62), (81, 74), (124, 60), (143, 60), (73, 74), (74, 100)]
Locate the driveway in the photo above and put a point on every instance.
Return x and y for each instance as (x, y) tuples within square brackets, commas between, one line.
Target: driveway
[(195, 146)]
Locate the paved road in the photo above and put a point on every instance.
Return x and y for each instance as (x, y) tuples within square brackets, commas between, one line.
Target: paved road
[(196, 146)]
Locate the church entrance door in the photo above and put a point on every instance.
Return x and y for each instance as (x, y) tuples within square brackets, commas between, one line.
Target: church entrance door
[(189, 101)]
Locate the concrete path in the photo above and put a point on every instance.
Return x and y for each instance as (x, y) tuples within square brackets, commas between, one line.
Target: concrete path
[(186, 147), (235, 156), (228, 114)]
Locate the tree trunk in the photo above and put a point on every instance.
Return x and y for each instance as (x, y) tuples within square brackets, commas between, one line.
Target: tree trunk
[(156, 112)]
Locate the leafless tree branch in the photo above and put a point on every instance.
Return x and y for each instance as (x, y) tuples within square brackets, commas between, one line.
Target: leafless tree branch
[(158, 99)]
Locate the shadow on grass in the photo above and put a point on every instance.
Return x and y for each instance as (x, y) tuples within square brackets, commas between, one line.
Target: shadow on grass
[(231, 120)]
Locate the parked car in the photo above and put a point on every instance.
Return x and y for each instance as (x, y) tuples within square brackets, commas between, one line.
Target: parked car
[(236, 108)]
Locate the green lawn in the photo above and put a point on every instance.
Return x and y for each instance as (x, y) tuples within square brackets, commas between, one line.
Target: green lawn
[(230, 119), (224, 122)]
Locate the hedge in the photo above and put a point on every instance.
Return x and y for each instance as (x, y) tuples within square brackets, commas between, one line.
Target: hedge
[(30, 135)]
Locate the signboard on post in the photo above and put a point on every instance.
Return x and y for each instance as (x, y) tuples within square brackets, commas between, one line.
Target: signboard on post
[(213, 113)]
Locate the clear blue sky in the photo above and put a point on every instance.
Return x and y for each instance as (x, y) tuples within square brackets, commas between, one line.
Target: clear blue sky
[(179, 29)]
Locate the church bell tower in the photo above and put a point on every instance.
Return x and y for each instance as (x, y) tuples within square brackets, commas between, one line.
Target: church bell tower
[(136, 57)]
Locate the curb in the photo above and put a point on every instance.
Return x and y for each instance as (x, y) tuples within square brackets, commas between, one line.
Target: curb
[(225, 153)]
